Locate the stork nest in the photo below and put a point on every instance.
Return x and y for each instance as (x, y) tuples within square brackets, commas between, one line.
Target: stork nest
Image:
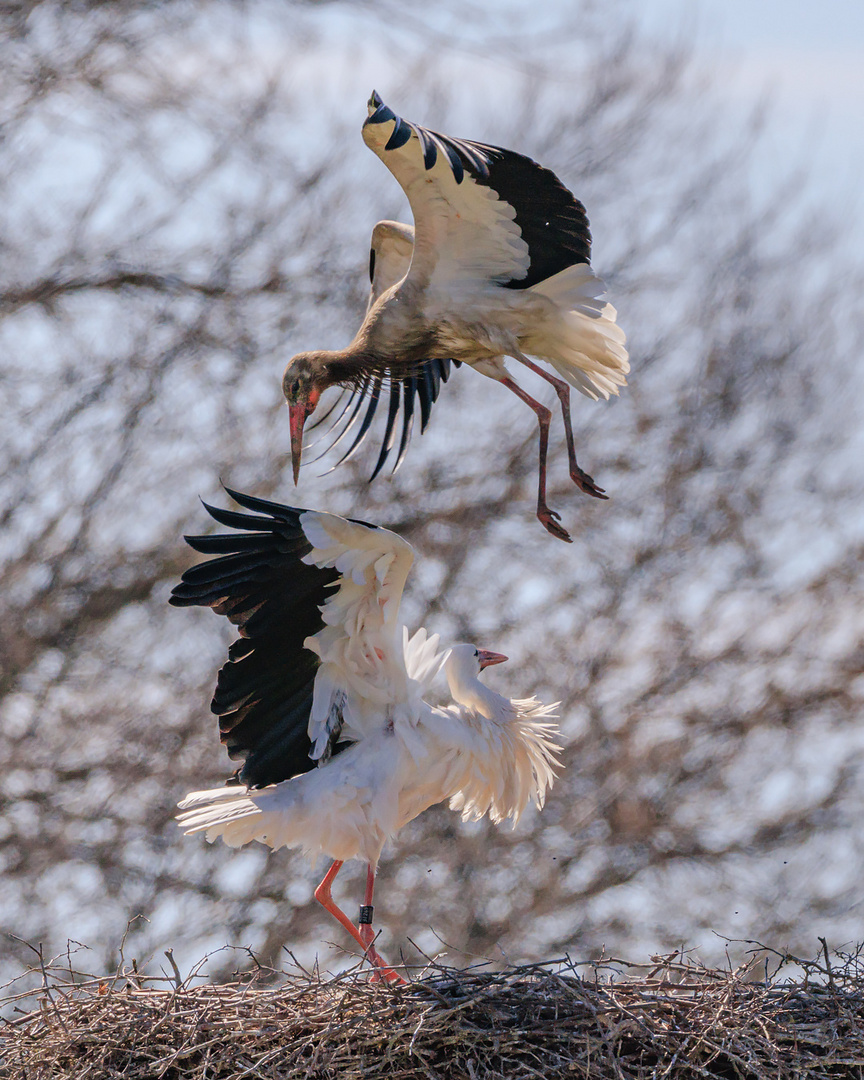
[(671, 1018)]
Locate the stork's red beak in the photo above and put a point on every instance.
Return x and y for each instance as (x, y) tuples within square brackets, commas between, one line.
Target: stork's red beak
[(487, 659), (298, 412)]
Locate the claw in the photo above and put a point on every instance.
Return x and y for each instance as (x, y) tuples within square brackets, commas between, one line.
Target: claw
[(381, 972), (585, 483), (547, 518)]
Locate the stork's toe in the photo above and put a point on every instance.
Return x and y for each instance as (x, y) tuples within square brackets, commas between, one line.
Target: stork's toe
[(585, 483), (547, 518)]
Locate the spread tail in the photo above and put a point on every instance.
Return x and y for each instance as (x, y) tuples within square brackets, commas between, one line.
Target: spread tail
[(581, 340)]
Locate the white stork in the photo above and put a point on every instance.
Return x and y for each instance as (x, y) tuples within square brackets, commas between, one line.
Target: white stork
[(322, 698), (497, 265)]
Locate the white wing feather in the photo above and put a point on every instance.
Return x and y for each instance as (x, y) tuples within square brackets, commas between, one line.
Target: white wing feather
[(423, 659), (466, 238), (363, 678), (462, 231), (508, 766), (392, 248)]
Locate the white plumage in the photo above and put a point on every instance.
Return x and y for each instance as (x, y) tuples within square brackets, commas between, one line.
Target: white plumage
[(363, 796), (497, 265), (347, 697)]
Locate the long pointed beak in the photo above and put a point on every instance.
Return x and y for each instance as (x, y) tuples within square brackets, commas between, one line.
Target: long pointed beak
[(297, 414), (487, 659)]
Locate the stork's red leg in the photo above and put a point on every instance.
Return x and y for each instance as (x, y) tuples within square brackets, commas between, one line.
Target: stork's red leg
[(368, 934), (579, 477), (324, 898), (548, 517), (322, 895)]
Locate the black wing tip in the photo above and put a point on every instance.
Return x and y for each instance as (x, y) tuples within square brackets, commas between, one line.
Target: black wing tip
[(401, 133), (230, 518), (390, 430), (373, 392), (275, 518), (379, 113), (195, 540), (552, 220), (253, 502), (274, 510), (460, 153)]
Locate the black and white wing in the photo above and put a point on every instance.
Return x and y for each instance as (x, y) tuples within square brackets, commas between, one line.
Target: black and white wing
[(262, 584), (390, 256), (480, 212), (321, 654)]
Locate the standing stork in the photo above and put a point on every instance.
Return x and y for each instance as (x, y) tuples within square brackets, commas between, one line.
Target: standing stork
[(497, 265), (322, 698)]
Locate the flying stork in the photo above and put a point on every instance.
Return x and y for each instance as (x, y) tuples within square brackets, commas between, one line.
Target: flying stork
[(496, 265), (322, 700)]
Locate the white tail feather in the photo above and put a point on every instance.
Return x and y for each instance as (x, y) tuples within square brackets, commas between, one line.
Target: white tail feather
[(584, 343), (227, 812), (241, 818)]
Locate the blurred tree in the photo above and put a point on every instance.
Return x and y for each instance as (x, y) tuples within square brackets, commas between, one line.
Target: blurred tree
[(184, 203)]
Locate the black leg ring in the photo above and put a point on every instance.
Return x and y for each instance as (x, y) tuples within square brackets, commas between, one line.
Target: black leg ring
[(366, 914)]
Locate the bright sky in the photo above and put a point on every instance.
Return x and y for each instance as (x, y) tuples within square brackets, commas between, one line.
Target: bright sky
[(805, 58), (808, 56)]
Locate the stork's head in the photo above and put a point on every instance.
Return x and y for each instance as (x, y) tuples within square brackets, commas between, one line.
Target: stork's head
[(305, 379), (462, 667), (465, 663)]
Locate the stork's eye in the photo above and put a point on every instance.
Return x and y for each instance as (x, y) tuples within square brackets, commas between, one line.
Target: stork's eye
[(477, 654)]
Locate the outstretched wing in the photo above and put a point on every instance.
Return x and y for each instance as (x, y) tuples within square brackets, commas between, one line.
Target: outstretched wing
[(480, 211), (389, 259), (316, 599), (262, 584), (363, 677)]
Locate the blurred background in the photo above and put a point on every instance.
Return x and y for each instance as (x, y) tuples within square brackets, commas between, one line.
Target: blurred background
[(185, 202)]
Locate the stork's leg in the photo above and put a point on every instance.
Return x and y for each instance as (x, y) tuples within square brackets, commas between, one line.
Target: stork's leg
[(324, 898), (579, 477), (548, 517), (322, 895), (368, 934)]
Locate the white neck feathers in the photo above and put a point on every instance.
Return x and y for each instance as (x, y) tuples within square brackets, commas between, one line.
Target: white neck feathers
[(462, 669)]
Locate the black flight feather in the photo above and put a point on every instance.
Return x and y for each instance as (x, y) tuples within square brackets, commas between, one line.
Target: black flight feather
[(390, 429), (263, 694), (422, 384)]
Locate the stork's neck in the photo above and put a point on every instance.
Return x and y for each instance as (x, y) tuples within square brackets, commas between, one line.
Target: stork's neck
[(342, 365), (467, 690)]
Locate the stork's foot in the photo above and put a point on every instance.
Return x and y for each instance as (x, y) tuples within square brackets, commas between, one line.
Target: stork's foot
[(549, 519), (382, 971), (584, 482)]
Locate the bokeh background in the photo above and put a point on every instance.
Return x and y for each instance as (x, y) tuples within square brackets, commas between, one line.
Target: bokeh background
[(185, 202)]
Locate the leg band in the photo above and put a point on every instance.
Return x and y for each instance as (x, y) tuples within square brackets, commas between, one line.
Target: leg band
[(366, 914)]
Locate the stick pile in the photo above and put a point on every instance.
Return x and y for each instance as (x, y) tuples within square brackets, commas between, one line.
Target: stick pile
[(609, 1019)]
